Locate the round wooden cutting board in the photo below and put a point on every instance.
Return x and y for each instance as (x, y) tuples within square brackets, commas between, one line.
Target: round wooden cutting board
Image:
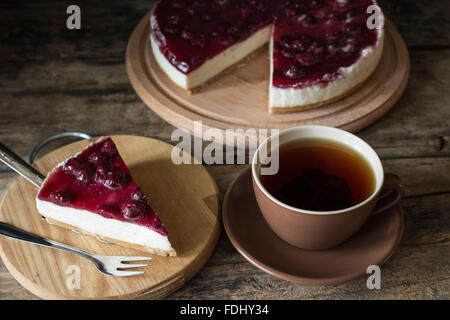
[(239, 99), (185, 197)]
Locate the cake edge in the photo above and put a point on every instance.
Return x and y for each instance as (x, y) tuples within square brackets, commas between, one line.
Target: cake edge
[(159, 252)]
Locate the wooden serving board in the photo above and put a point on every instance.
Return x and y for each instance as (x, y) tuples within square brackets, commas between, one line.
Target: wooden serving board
[(185, 197), (239, 99)]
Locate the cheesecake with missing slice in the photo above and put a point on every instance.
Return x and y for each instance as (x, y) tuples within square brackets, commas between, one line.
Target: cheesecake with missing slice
[(320, 50)]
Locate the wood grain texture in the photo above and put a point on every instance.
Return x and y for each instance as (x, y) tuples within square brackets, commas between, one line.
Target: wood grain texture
[(185, 197), (220, 103), (53, 79)]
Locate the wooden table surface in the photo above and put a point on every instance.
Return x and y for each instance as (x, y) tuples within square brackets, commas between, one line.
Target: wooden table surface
[(53, 80)]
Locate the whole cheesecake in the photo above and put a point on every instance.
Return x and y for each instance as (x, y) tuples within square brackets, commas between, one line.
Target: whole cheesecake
[(320, 50)]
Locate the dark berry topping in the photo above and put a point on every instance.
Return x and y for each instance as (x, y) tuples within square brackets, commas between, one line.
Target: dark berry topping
[(299, 44), (183, 66), (290, 11), (172, 29), (310, 21), (178, 4), (221, 2), (288, 53), (81, 171), (196, 61), (332, 18), (305, 59), (191, 11), (294, 72), (200, 3), (354, 29), (245, 12), (350, 14), (316, 48), (348, 49), (62, 197), (134, 210), (108, 210), (138, 195), (173, 19), (225, 40), (156, 222), (206, 17), (199, 41), (333, 47), (187, 34), (71, 165), (97, 158), (101, 174), (285, 42), (232, 30), (116, 180), (316, 3), (109, 147), (84, 173)]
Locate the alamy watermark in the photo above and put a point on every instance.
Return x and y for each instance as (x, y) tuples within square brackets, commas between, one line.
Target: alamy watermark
[(375, 20), (73, 281), (374, 280), (73, 22), (226, 147)]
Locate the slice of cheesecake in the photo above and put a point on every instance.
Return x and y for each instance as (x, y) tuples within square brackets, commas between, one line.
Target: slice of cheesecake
[(193, 43), (93, 192)]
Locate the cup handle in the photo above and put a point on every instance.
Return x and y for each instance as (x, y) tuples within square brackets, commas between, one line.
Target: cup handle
[(390, 194)]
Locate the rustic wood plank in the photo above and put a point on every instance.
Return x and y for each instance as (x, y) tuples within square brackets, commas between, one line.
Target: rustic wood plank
[(414, 128), (423, 24)]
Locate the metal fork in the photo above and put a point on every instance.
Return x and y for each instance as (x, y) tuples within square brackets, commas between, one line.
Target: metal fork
[(108, 265)]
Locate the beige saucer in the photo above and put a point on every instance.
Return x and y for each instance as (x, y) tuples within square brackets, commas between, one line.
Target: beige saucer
[(252, 237)]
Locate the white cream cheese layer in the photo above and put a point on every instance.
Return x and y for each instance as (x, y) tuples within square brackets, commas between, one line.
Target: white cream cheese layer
[(211, 67), (109, 228)]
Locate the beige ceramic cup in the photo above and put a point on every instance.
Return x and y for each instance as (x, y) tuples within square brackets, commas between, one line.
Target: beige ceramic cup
[(318, 230)]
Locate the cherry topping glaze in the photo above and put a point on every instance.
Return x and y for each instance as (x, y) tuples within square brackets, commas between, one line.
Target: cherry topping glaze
[(116, 180), (134, 210), (61, 197), (326, 37), (97, 180), (97, 158), (334, 33), (109, 147), (109, 211), (306, 59), (294, 72), (138, 195)]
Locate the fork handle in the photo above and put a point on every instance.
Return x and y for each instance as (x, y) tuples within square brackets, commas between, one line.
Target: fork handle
[(19, 234), (13, 161)]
